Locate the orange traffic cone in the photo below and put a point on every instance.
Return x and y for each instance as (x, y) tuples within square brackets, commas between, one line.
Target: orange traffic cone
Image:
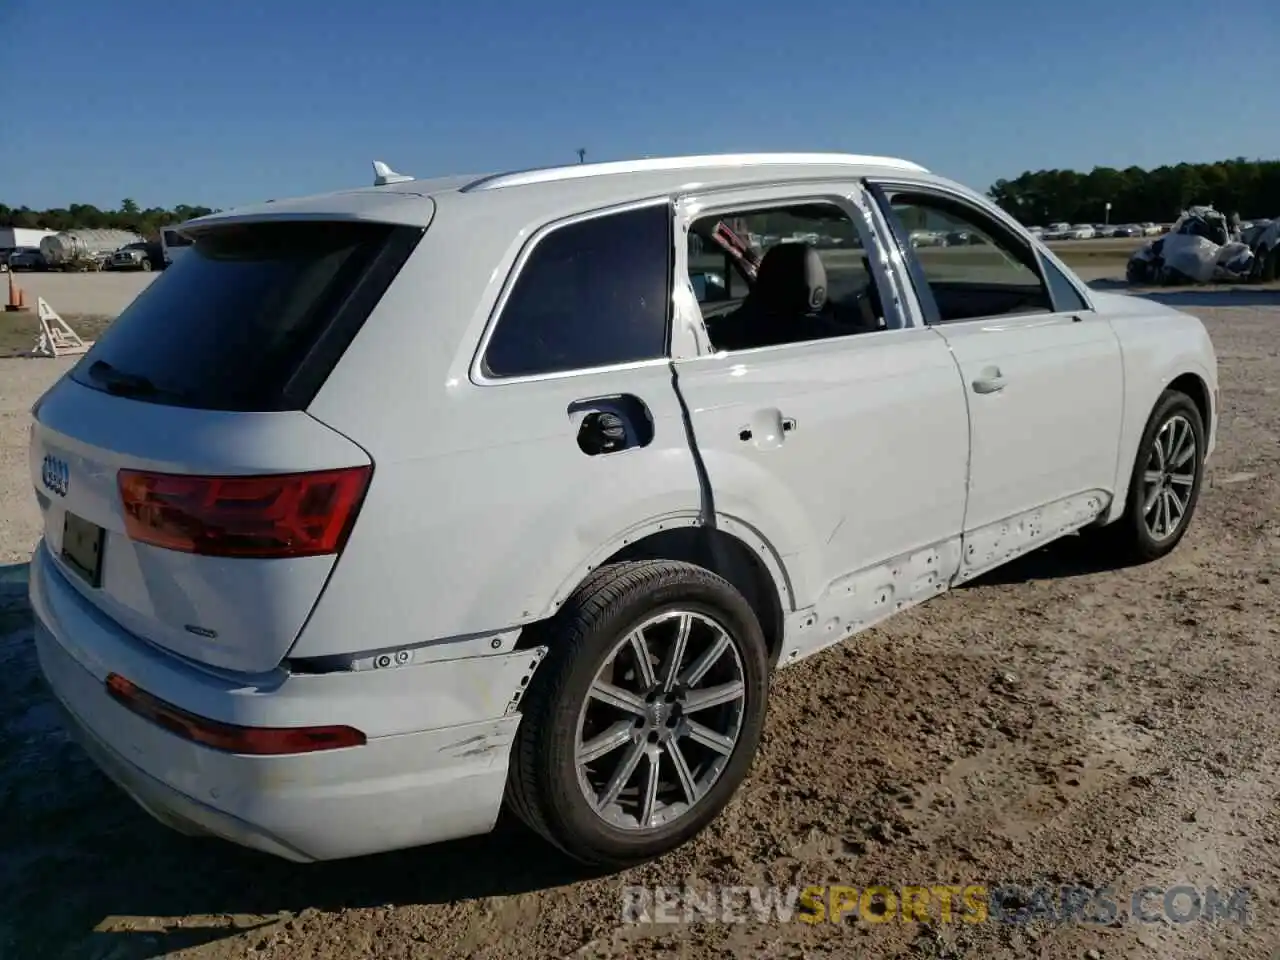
[(15, 303)]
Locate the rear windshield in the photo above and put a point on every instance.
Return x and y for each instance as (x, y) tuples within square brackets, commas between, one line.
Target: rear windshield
[(253, 317)]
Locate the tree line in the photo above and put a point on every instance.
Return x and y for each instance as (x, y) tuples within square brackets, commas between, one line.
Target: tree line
[(85, 216), (1248, 187)]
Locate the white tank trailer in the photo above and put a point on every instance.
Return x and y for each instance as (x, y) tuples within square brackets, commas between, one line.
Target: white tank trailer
[(78, 249)]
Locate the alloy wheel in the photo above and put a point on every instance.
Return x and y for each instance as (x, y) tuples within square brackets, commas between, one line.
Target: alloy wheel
[(660, 721), (1169, 478)]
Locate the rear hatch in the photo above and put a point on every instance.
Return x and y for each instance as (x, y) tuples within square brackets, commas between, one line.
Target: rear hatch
[(186, 492)]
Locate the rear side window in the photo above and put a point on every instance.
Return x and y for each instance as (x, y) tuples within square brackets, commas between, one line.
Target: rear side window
[(253, 317), (172, 238), (591, 294)]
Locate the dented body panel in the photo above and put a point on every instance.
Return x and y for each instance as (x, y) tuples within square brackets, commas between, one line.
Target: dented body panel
[(852, 476)]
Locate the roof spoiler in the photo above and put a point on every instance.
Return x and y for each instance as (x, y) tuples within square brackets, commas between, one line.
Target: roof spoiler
[(382, 175)]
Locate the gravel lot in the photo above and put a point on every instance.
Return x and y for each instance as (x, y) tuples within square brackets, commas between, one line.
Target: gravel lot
[(1059, 722), (99, 294)]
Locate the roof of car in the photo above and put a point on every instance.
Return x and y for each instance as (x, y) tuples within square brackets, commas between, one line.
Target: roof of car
[(573, 186)]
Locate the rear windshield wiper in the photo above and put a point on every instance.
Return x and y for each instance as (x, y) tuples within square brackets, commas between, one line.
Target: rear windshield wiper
[(122, 383)]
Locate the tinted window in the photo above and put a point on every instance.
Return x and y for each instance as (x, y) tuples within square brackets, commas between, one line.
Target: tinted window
[(231, 324), (1065, 296), (174, 239), (591, 294)]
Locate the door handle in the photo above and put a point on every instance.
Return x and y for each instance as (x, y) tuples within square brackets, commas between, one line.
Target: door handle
[(989, 383)]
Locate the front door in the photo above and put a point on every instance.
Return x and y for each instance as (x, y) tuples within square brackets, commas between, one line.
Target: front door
[(824, 419), (1042, 371)]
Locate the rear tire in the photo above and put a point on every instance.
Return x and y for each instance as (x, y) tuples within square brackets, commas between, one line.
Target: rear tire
[(676, 761), (1164, 488)]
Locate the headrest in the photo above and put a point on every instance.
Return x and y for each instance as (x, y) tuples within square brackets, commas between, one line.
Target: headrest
[(791, 278)]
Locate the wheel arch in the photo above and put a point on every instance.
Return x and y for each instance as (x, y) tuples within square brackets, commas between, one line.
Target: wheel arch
[(730, 549), (1192, 382), (1194, 387)]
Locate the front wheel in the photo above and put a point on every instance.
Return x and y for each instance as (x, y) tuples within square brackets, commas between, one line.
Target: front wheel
[(1165, 485), (645, 716)]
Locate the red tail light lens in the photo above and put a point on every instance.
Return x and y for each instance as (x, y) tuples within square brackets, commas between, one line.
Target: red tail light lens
[(277, 515), (258, 741)]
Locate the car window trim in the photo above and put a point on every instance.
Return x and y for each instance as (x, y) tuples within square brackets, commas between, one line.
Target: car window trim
[(840, 193), (776, 348), (476, 371), (1082, 290), (878, 187)]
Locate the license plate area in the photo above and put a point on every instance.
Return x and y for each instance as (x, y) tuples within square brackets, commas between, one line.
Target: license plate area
[(82, 548)]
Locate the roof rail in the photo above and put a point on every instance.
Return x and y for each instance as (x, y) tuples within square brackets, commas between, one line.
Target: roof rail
[(653, 164)]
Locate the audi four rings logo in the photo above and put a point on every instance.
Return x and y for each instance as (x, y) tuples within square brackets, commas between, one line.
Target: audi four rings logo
[(56, 475)]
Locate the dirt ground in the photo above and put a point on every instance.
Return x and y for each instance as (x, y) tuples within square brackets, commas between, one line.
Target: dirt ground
[(1057, 723)]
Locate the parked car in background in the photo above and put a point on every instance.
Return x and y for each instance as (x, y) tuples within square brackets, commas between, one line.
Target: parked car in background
[(1128, 230), (27, 258), (142, 255), (262, 634)]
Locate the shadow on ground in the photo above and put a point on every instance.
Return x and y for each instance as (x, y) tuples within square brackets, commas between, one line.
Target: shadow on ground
[(77, 851), (1075, 555)]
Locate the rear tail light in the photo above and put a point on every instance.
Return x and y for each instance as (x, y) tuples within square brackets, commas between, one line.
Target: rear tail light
[(276, 515), (258, 741)]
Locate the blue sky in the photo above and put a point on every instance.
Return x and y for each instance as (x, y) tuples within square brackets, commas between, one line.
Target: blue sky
[(243, 100)]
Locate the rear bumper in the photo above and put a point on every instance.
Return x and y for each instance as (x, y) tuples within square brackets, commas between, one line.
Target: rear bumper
[(402, 789)]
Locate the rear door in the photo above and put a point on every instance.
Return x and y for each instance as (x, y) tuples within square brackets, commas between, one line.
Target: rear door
[(1042, 371), (839, 433), (185, 491)]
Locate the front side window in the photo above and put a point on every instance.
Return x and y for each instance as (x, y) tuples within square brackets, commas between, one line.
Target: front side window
[(593, 293), (782, 274), (973, 266)]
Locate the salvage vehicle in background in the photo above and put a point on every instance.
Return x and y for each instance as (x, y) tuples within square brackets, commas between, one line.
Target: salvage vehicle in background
[(1202, 247), (278, 610), (1263, 238), (84, 249)]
